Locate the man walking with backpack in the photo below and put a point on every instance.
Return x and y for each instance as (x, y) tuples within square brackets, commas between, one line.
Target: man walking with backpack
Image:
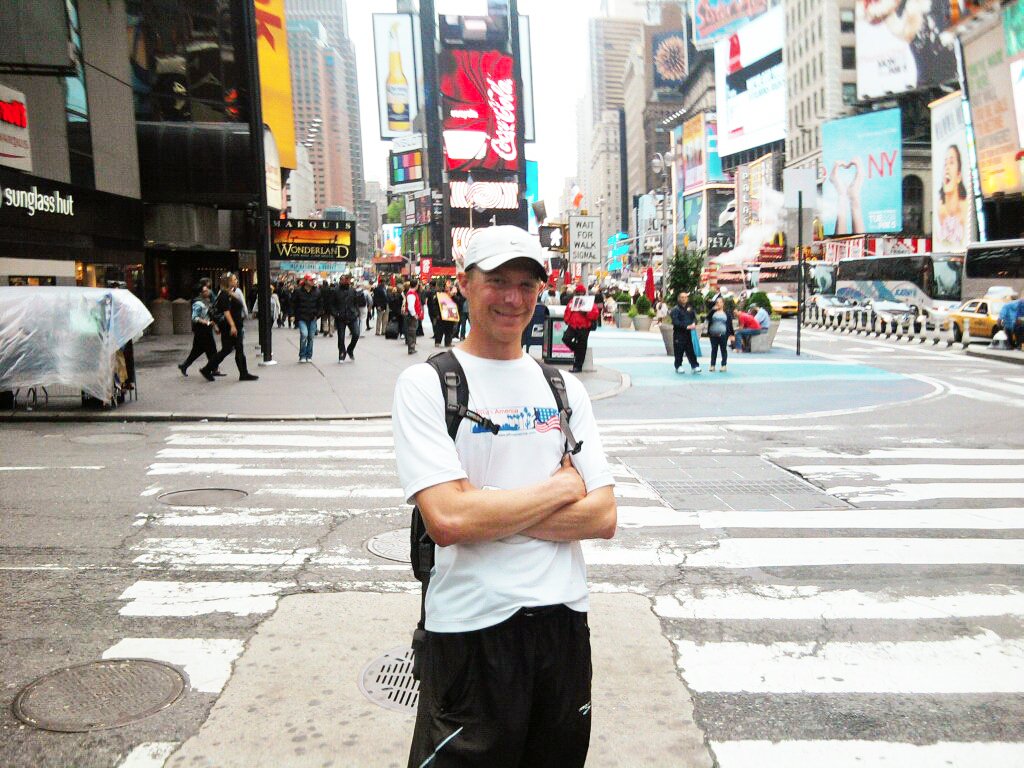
[(346, 315), (505, 464)]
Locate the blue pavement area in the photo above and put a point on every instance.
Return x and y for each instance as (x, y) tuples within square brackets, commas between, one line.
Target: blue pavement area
[(774, 384)]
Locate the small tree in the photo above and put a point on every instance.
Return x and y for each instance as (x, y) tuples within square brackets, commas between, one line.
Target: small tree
[(395, 211), (684, 273), (758, 299)]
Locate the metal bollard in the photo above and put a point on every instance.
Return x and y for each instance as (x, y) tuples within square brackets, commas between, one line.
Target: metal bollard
[(967, 333)]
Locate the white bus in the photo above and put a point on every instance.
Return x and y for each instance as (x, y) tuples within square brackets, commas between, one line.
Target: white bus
[(991, 264), (930, 283)]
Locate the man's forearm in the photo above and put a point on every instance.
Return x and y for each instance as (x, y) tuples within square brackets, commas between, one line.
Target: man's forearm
[(593, 517)]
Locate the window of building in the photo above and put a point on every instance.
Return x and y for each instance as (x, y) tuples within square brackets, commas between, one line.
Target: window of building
[(849, 93), (846, 21), (76, 109), (849, 57)]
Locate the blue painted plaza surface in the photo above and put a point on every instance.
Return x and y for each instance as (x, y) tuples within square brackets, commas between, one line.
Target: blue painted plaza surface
[(778, 383)]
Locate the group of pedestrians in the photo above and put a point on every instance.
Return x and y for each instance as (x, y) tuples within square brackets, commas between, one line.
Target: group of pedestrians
[(344, 309), (223, 313), (723, 329), (440, 301)]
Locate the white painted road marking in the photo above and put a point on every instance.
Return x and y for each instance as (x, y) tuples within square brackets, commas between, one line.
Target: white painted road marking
[(877, 519), (198, 598), (844, 753), (269, 454), (150, 754), (929, 491), (207, 662), (983, 663), (934, 471), (283, 441)]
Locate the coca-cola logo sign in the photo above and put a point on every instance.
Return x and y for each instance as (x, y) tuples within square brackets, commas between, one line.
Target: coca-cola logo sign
[(479, 100)]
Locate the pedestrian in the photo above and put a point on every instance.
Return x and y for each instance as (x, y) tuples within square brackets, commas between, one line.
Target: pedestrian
[(610, 308), (202, 333), (660, 311), (720, 331), (550, 297), (565, 296), (413, 315), (505, 660), (429, 297), (380, 306), (275, 307), (748, 326), (1011, 317), (366, 308), (396, 312), (327, 292), (764, 319), (463, 305), (684, 323), (346, 317), (282, 299), (231, 312), (307, 303), (447, 317), (580, 320), (237, 290), (293, 291)]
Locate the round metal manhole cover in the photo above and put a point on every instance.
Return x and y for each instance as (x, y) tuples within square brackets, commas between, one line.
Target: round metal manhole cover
[(108, 438), (99, 695), (202, 497), (393, 545), (388, 681)]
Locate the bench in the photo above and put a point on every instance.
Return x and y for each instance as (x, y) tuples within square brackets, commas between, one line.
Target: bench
[(762, 342)]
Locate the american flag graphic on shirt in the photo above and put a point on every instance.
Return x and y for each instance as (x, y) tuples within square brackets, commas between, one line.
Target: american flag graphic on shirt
[(546, 419)]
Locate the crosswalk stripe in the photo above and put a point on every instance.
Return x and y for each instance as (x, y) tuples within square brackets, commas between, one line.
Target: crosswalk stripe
[(858, 754), (983, 395), (963, 454), (785, 602), (206, 661), (209, 517), (198, 598), (351, 492), (764, 553), (989, 383), (654, 517), (255, 470), (270, 454), (283, 441), (982, 663), (191, 552), (929, 491), (149, 754), (253, 427), (858, 519), (934, 471)]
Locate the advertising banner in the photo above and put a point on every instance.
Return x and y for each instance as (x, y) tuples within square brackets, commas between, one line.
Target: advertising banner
[(899, 47), (391, 239), (276, 77), (1013, 30), (678, 184), (992, 113), (405, 170), (15, 147), (489, 195), (585, 239), (478, 102), (721, 220), (750, 84), (668, 58), (752, 180), (532, 194), (693, 220), (701, 162), (952, 201), (863, 157), (313, 240), (395, 56), (715, 19)]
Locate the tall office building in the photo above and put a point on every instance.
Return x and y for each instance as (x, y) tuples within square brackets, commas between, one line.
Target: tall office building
[(333, 16)]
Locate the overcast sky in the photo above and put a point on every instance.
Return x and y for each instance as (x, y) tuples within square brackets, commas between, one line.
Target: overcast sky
[(560, 74)]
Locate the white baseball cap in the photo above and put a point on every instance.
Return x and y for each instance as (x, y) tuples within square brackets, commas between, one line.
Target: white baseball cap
[(491, 247)]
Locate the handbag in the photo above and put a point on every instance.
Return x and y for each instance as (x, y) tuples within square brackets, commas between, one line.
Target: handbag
[(695, 337)]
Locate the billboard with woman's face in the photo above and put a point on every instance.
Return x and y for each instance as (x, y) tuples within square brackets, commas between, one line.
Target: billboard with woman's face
[(952, 201)]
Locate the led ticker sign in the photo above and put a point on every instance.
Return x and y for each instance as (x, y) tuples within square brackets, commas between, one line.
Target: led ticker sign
[(501, 195), (479, 104)]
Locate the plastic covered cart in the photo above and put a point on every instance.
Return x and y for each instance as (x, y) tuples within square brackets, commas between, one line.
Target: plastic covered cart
[(76, 337)]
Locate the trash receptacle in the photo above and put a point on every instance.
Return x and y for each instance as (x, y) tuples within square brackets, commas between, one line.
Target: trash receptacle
[(163, 322), (554, 349), (181, 314)]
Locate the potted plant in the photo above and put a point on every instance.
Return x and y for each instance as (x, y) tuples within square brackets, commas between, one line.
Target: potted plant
[(623, 318), (641, 314)]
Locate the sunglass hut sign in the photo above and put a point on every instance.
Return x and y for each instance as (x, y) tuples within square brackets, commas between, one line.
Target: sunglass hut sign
[(32, 201)]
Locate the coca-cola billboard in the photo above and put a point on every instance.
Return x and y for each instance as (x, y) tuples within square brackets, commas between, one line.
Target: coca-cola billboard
[(479, 103)]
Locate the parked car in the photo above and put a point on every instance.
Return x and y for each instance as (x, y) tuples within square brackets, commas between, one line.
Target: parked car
[(983, 315), (891, 311), (784, 304)]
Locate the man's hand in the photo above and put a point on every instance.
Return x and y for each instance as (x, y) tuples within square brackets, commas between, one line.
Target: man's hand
[(573, 483)]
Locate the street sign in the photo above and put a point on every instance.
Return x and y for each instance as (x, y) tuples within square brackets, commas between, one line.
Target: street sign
[(616, 237), (553, 238), (583, 242), (796, 180), (621, 250)]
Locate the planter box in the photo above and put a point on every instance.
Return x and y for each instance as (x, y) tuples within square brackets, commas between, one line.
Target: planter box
[(666, 336), (642, 323), (622, 320)]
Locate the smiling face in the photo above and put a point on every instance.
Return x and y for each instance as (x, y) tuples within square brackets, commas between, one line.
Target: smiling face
[(501, 302), (951, 174)]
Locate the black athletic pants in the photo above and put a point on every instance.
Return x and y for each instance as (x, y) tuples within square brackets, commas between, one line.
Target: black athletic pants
[(443, 330), (579, 337), (682, 344), (231, 344), (515, 695), (202, 344)]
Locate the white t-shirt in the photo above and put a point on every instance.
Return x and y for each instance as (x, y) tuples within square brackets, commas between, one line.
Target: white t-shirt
[(480, 584)]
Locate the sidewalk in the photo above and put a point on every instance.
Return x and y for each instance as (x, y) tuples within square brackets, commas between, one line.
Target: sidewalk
[(1002, 355), (322, 390)]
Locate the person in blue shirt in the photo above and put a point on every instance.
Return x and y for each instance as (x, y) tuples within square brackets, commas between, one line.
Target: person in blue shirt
[(1011, 317), (202, 333), (763, 318)]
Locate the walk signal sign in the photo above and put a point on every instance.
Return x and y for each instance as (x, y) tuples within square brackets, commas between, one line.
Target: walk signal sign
[(554, 238)]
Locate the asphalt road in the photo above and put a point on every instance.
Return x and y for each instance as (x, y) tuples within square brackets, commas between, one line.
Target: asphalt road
[(832, 548)]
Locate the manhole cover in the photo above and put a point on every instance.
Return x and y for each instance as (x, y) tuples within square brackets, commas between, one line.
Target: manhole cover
[(388, 681), (108, 438), (393, 545), (202, 497), (99, 695)]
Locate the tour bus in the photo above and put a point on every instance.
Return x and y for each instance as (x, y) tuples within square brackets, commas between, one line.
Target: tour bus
[(995, 263), (930, 283)]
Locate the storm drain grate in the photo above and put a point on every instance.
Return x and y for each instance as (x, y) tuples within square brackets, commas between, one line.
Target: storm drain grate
[(202, 497), (670, 488), (388, 682), (99, 695), (393, 545)]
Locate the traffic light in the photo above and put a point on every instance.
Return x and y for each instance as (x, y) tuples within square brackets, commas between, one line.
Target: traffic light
[(554, 238)]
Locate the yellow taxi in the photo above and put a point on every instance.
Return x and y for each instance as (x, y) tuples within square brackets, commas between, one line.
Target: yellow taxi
[(982, 315), (784, 304)]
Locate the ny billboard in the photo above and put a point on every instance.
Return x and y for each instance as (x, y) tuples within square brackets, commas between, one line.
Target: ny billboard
[(899, 47), (863, 157), (750, 84), (715, 19), (478, 104), (952, 199), (395, 55)]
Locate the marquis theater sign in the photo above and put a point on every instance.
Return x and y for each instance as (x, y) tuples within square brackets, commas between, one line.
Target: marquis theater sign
[(313, 240), (479, 103)]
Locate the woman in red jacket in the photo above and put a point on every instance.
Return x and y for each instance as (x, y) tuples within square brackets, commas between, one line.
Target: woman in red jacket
[(580, 321)]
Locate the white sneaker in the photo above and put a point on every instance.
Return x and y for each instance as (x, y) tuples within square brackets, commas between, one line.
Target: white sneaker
[(697, 369)]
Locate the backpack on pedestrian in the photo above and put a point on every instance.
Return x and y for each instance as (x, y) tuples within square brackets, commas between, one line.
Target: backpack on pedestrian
[(455, 390)]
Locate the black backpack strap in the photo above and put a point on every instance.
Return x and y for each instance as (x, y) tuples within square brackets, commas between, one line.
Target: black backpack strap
[(455, 390), (554, 379)]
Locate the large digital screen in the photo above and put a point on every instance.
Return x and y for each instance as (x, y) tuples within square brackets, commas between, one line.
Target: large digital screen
[(952, 197), (668, 58), (478, 101), (503, 195), (313, 240), (750, 84), (863, 189), (715, 19), (899, 47), (397, 89)]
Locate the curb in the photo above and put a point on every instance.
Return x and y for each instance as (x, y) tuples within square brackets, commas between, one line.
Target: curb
[(986, 355)]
